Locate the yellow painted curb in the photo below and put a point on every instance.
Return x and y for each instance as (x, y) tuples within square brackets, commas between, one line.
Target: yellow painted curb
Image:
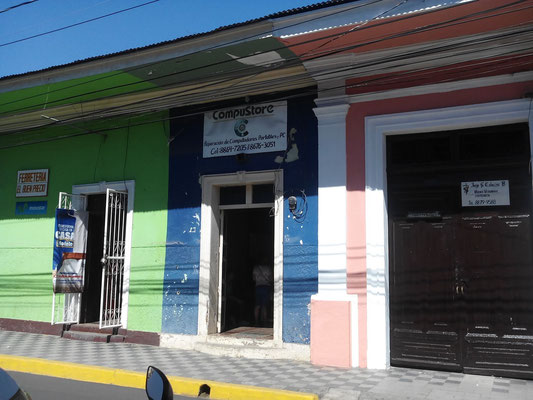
[(120, 377)]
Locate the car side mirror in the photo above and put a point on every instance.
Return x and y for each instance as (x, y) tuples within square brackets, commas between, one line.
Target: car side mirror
[(157, 385), (9, 390)]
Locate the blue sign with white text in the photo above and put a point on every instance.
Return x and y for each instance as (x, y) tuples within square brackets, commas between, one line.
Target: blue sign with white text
[(70, 242), (31, 207)]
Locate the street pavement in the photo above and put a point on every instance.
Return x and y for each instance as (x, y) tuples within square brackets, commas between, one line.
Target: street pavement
[(42, 387), (326, 382)]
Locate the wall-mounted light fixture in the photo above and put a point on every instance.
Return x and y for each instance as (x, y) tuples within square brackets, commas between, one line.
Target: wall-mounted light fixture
[(298, 208), (292, 203)]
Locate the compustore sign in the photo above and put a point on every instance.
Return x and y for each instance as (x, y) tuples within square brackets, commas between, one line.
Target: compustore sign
[(257, 128)]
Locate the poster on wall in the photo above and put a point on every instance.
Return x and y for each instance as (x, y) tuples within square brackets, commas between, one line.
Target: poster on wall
[(31, 207), (257, 128), (485, 193), (70, 242), (32, 183)]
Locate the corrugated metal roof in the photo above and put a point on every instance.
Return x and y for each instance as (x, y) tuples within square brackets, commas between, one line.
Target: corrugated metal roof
[(279, 14)]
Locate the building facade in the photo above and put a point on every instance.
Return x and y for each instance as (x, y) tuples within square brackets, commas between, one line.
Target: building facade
[(374, 155)]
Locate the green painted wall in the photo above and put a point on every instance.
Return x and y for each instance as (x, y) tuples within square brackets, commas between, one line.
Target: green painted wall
[(139, 153)]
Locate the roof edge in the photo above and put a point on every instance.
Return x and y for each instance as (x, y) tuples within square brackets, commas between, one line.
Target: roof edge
[(159, 50)]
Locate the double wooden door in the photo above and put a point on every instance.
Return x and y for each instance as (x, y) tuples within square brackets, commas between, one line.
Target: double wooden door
[(461, 278), (462, 295)]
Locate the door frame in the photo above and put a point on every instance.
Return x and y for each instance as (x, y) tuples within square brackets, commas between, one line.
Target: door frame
[(377, 128), (129, 187), (208, 297)]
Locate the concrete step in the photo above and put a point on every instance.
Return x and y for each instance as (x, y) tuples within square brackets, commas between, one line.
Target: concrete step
[(95, 328), (254, 349), (117, 339), (87, 336)]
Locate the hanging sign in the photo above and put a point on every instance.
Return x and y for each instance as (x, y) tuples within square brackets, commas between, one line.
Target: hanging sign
[(32, 183), (485, 193), (257, 128), (70, 241)]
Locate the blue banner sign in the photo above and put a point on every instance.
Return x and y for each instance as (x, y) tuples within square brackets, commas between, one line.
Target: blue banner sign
[(31, 207), (70, 241)]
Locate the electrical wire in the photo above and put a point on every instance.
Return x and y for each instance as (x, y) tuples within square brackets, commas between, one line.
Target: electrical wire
[(358, 26), (77, 11), (191, 54), (228, 61), (391, 79), (367, 81), (430, 27), (77, 23), (103, 139), (246, 69), (172, 95), (197, 112), (434, 49), (17, 6), (126, 152)]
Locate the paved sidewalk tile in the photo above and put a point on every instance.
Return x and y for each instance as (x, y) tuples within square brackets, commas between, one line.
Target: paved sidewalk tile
[(327, 382)]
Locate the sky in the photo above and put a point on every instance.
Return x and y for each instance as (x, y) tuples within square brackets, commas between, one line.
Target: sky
[(151, 23)]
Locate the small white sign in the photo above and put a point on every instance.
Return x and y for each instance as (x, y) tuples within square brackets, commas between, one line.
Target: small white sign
[(485, 193), (253, 128), (32, 183)]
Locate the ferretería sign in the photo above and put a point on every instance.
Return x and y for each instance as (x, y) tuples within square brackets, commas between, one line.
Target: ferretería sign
[(257, 128)]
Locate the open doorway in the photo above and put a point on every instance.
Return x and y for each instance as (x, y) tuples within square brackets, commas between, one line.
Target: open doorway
[(241, 213), (108, 256), (90, 300), (247, 270), (106, 290)]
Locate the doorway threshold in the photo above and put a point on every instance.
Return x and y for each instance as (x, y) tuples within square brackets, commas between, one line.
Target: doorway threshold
[(249, 332), (247, 346)]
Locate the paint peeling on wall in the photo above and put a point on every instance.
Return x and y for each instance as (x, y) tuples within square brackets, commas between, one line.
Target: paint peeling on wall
[(300, 254), (293, 153)]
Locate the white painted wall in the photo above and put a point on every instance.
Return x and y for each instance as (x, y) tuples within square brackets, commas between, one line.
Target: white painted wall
[(332, 196)]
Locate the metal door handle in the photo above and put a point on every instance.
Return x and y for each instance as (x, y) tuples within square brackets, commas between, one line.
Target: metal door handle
[(460, 289)]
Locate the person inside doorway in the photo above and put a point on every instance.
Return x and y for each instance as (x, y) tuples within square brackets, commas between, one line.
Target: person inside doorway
[(263, 278)]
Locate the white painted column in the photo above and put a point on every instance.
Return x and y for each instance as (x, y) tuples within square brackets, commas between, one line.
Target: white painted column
[(332, 223), (331, 114)]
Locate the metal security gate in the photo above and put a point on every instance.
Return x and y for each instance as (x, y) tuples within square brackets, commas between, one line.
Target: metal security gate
[(66, 306), (113, 259)]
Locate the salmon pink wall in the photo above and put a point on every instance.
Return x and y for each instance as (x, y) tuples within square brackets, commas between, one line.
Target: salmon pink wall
[(330, 333), (355, 165)]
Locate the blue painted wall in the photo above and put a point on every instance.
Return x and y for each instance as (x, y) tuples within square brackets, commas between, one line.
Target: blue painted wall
[(300, 252)]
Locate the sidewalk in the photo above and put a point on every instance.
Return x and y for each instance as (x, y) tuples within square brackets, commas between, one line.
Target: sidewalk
[(326, 382)]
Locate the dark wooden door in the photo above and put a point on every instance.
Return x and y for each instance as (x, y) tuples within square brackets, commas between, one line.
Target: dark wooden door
[(424, 322), (494, 262), (461, 278)]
